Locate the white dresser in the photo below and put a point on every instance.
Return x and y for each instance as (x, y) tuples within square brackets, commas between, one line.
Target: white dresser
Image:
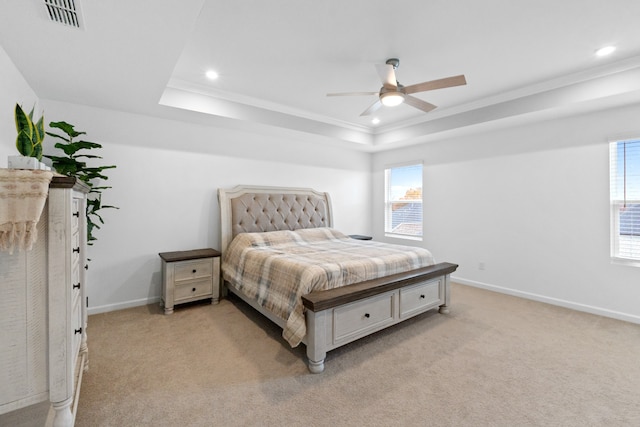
[(43, 317)]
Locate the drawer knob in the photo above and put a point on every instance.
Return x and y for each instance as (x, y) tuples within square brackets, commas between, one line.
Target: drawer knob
[(367, 315), (76, 214), (194, 270), (193, 290), (78, 331), (76, 286), (421, 296), (76, 250)]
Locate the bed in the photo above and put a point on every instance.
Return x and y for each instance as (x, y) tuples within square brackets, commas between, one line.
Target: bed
[(282, 256)]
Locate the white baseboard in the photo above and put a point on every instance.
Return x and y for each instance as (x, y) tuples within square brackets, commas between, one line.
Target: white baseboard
[(526, 295), (553, 301), (122, 305)]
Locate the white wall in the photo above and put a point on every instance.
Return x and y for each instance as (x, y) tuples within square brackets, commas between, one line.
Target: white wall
[(13, 89), (165, 185), (531, 203)]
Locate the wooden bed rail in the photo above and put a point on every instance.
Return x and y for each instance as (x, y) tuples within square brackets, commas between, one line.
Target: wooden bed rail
[(323, 300)]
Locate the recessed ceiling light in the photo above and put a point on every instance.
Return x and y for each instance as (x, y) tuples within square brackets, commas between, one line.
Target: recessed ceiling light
[(604, 51), (375, 121), (211, 75)]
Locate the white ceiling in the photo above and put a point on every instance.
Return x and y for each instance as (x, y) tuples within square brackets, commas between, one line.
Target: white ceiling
[(523, 60)]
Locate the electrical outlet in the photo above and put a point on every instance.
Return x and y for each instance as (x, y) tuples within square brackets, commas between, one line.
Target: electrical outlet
[(481, 266)]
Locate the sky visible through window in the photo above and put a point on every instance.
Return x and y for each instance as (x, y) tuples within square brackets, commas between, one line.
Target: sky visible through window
[(631, 172), (404, 178)]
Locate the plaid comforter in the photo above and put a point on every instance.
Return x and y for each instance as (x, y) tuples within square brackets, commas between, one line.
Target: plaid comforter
[(278, 267)]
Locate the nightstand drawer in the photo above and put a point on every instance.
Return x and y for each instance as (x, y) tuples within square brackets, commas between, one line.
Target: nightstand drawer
[(188, 270), (195, 289)]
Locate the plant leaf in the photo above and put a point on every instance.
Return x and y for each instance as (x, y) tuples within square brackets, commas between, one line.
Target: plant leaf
[(55, 135), (39, 127), (23, 144), (66, 128), (73, 147), (37, 152), (23, 123), (87, 156)]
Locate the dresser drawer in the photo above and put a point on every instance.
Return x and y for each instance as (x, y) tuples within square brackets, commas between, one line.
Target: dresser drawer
[(195, 289), (75, 214), (188, 270), (421, 297), (362, 317), (75, 248), (76, 327)]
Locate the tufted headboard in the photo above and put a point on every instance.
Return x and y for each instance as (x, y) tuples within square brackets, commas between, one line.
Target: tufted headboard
[(246, 209)]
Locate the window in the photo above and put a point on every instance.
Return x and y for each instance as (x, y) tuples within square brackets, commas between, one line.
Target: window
[(625, 200), (403, 201)]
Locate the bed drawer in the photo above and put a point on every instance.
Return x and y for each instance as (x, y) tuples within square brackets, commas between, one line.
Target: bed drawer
[(187, 270), (195, 289), (420, 297), (362, 317)]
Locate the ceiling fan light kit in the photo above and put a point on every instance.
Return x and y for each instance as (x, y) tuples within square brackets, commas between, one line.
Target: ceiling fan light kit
[(392, 93), (391, 99)]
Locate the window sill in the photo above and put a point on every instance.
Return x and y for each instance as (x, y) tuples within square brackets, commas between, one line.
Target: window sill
[(625, 261), (404, 237)]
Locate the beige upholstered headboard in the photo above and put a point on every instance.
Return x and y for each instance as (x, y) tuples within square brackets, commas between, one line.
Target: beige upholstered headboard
[(247, 209)]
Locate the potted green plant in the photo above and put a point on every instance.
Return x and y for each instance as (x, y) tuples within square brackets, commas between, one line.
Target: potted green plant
[(28, 141), (73, 164)]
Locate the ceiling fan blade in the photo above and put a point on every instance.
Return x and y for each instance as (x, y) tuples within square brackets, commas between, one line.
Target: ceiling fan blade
[(436, 84), (352, 94), (374, 107), (387, 76), (419, 103)]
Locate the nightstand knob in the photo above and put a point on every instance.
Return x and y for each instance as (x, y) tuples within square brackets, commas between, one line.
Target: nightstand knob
[(367, 315), (193, 290), (193, 271)]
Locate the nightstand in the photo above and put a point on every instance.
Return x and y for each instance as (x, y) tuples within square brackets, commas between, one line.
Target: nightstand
[(360, 237), (190, 276)]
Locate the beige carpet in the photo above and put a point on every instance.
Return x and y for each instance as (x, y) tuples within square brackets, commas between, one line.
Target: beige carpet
[(495, 360)]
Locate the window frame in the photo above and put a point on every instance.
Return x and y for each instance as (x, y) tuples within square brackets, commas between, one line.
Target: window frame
[(616, 204), (388, 203)]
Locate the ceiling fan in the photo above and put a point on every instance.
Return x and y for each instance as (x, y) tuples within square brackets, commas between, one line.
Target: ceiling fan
[(392, 93)]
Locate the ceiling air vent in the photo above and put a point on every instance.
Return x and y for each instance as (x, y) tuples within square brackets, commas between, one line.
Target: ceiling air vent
[(65, 12)]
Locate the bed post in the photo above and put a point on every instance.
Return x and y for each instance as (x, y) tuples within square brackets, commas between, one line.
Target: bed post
[(316, 345), (444, 308)]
